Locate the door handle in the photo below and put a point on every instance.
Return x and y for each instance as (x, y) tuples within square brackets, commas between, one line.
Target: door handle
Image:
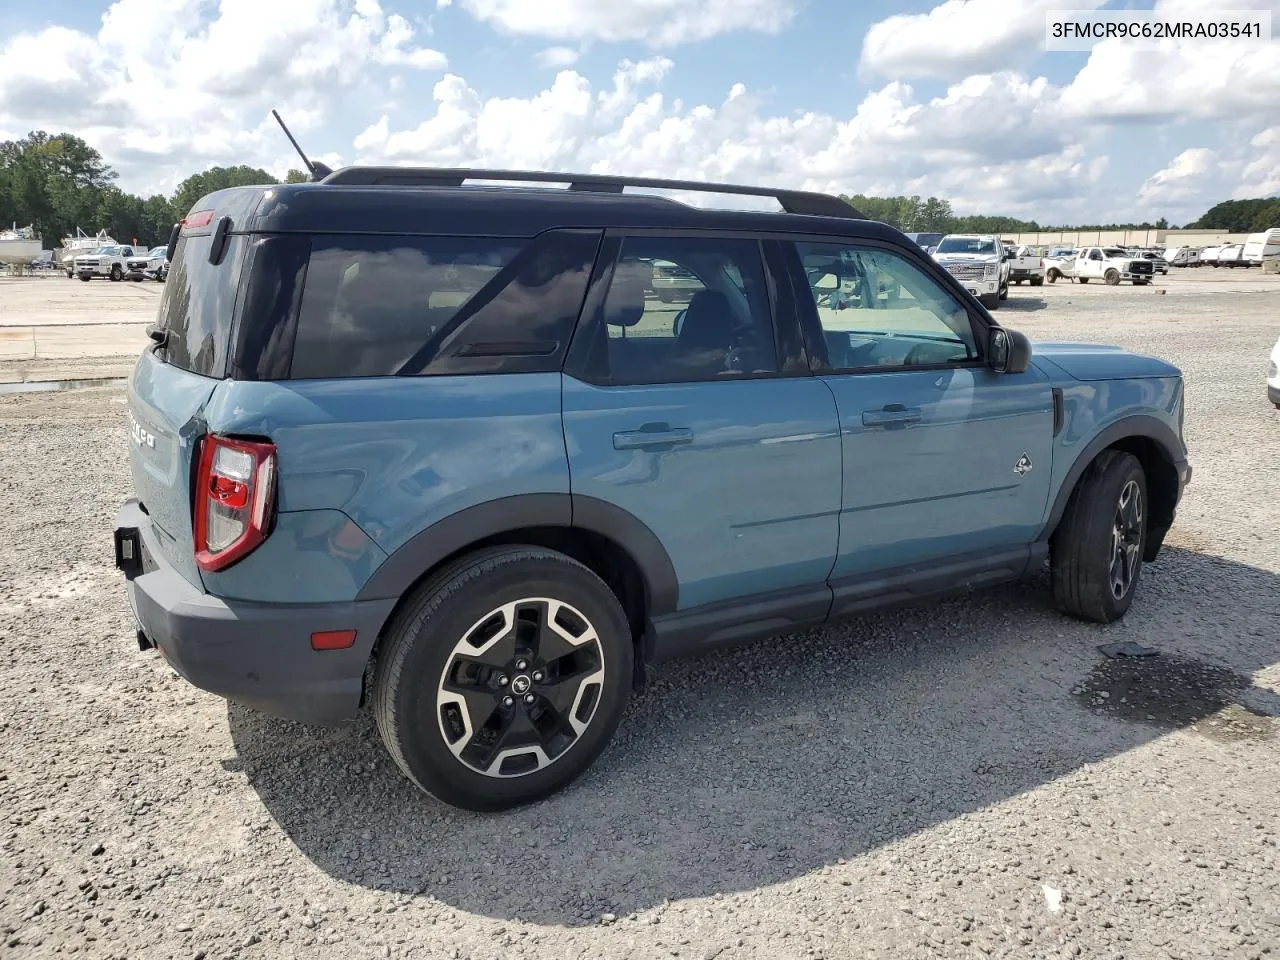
[(892, 415), (652, 435)]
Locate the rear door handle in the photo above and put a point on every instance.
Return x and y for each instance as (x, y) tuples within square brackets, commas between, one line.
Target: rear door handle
[(652, 435), (891, 415)]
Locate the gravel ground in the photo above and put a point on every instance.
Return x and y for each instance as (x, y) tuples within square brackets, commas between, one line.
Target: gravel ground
[(965, 780)]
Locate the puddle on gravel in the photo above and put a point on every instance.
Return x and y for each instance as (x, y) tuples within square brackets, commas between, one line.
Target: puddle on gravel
[(1175, 692)]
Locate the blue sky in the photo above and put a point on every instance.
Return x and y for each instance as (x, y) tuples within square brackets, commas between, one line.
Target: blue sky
[(957, 99)]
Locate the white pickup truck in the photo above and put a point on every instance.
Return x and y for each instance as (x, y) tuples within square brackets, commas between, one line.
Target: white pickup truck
[(1111, 265), (109, 262), (1026, 265), (979, 263)]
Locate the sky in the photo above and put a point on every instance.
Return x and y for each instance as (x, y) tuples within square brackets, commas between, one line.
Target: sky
[(957, 99)]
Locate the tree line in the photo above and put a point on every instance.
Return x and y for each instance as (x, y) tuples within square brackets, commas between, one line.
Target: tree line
[(57, 183), (1241, 216)]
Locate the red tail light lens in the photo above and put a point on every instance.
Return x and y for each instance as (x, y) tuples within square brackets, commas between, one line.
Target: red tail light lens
[(235, 497)]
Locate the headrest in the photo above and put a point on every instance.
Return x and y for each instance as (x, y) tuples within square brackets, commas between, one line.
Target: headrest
[(624, 306), (708, 321)]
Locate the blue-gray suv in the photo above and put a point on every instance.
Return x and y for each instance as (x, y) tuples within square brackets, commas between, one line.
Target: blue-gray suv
[(467, 454)]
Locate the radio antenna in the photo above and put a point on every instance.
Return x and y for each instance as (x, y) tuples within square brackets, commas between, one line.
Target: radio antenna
[(317, 169)]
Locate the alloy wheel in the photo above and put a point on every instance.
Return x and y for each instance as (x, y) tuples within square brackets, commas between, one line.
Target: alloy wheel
[(1126, 539), (520, 687)]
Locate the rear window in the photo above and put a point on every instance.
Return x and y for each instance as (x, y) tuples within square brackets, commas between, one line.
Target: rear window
[(198, 304), (403, 306)]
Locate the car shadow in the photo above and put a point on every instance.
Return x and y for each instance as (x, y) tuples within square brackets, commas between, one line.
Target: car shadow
[(1023, 302), (758, 765)]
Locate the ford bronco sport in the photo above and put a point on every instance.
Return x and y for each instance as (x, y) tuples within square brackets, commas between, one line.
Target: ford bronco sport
[(443, 450)]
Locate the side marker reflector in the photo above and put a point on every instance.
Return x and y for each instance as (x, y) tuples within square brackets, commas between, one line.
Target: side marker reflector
[(333, 639)]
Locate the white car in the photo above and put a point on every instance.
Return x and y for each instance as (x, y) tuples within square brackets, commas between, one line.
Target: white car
[(1059, 262), (106, 262), (1273, 376), (151, 263), (979, 263)]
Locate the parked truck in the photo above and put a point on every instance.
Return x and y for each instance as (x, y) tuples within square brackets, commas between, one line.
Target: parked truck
[(1027, 265), (1112, 265)]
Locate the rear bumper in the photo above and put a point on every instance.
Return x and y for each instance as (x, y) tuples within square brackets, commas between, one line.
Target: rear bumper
[(257, 654)]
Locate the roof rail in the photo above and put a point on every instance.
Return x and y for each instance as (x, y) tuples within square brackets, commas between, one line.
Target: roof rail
[(792, 201)]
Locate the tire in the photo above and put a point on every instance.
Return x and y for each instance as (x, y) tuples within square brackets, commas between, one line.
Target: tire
[(442, 619), (1141, 283), (1084, 279), (1004, 292), (85, 277), (1112, 277), (116, 273), (1037, 281), (1017, 282), (990, 300), (1094, 573), (1053, 275)]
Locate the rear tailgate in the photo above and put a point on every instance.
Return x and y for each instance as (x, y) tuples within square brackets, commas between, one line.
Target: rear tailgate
[(165, 404), (174, 380)]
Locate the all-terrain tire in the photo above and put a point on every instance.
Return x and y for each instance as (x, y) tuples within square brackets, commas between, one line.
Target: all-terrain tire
[(1083, 550), (438, 619)]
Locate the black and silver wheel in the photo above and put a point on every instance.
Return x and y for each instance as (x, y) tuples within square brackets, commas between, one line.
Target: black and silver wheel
[(504, 678), (116, 273), (1097, 549), (1004, 292), (1053, 275), (990, 300)]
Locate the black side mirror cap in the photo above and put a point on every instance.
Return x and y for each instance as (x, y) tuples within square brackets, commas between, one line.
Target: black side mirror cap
[(1008, 351), (173, 241)]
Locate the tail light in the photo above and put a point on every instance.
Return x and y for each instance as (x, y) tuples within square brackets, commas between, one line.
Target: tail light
[(235, 499)]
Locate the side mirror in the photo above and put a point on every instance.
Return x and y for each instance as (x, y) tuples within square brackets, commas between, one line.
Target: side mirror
[(1008, 351), (173, 241)]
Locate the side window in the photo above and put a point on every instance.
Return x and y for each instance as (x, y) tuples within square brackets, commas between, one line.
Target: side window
[(877, 309), (687, 308), (401, 306)]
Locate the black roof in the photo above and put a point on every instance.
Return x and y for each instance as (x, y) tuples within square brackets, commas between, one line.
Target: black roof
[(361, 200)]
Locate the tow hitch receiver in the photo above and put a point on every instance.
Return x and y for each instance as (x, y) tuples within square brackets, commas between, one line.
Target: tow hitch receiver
[(128, 551)]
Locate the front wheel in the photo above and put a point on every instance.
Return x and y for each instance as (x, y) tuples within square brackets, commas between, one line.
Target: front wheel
[(1096, 552), (1084, 279), (990, 300), (116, 273), (1112, 277), (503, 678), (85, 277)]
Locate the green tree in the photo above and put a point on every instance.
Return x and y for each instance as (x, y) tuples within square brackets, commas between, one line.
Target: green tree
[(199, 185), (297, 176)]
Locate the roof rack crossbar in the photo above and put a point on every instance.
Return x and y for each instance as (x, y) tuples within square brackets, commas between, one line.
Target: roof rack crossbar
[(792, 201)]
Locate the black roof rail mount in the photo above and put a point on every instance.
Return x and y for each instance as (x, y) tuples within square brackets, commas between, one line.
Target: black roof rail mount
[(792, 201)]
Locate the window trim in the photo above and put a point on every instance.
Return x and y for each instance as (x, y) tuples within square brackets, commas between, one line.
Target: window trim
[(807, 310), (580, 360)]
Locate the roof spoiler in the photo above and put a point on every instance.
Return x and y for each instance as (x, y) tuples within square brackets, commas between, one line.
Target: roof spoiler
[(792, 201)]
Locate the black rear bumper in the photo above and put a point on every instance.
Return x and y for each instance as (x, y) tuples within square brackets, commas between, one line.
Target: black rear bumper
[(258, 654)]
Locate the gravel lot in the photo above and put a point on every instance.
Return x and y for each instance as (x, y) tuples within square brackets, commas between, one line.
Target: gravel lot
[(966, 780)]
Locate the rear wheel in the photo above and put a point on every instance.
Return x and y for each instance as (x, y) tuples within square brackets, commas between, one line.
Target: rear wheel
[(1053, 275), (1096, 552), (503, 678), (1037, 281), (1084, 279)]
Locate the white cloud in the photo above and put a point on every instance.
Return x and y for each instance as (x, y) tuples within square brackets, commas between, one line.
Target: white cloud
[(557, 57), (1013, 159), (1184, 79), (656, 22), (960, 37), (162, 89), (1199, 177)]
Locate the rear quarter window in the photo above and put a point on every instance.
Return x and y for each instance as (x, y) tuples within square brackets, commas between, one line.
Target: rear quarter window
[(199, 304), (406, 306)]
